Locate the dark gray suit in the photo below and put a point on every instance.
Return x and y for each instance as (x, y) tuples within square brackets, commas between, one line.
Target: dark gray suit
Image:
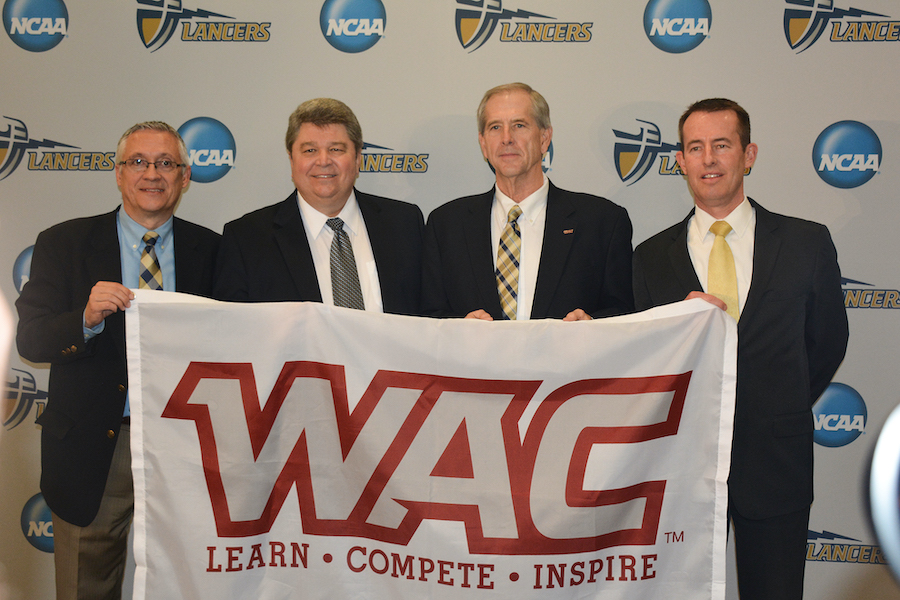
[(792, 336), (266, 257), (585, 258)]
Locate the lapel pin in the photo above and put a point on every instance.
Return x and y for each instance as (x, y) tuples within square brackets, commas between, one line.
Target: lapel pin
[(568, 231)]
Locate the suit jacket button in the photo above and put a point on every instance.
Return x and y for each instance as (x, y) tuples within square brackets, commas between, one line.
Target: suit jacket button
[(110, 434), (65, 352), (73, 349), (121, 388)]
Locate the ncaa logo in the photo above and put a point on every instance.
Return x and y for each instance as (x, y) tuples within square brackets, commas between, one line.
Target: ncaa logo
[(352, 25), (36, 524), (839, 416), (22, 268), (36, 25), (211, 148), (847, 154), (677, 26)]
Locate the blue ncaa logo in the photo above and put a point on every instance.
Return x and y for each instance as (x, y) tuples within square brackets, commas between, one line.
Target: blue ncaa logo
[(677, 26), (352, 25), (36, 25), (847, 154), (36, 523), (839, 416), (22, 268), (211, 148)]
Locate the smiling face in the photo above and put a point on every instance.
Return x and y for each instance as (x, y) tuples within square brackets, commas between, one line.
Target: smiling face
[(324, 166), (149, 197), (513, 142), (714, 161)]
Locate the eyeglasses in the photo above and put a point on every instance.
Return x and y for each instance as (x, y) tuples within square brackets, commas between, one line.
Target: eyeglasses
[(139, 165)]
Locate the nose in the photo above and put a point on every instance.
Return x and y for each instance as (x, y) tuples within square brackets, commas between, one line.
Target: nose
[(708, 156)]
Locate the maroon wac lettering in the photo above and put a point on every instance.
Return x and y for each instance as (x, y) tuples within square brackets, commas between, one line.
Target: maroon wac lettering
[(420, 446)]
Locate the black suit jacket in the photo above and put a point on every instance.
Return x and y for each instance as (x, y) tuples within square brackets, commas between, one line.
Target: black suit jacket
[(88, 380), (585, 258), (792, 336), (265, 254)]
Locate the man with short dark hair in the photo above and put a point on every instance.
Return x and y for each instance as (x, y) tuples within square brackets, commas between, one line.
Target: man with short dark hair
[(526, 249), (327, 242), (71, 316), (779, 277)]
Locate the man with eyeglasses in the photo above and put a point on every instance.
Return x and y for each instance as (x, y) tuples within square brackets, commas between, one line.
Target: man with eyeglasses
[(71, 316)]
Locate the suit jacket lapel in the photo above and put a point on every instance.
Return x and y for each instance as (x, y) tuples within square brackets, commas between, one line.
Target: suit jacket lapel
[(561, 218), (291, 239), (381, 243), (682, 266), (104, 263), (482, 256), (766, 245)]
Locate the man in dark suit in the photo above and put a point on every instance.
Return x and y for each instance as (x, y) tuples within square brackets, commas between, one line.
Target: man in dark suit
[(284, 252), (71, 316), (792, 335), (525, 249)]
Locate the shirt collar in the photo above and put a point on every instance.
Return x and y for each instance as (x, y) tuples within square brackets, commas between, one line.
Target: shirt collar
[(134, 231), (740, 219), (531, 206), (316, 221)]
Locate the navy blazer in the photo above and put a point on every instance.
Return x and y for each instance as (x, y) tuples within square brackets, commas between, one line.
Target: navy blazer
[(265, 254), (585, 258), (88, 379), (792, 336)]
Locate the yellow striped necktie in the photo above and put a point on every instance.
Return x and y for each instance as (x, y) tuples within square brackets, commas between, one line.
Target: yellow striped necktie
[(508, 264)]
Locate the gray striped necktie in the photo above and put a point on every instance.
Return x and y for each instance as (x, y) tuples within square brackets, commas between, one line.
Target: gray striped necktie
[(344, 277)]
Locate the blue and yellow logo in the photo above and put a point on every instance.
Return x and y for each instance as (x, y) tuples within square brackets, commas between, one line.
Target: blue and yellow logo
[(677, 26), (869, 296), (635, 153), (831, 547), (806, 20), (14, 143), (157, 21), (22, 395), (380, 159), (36, 25), (476, 21)]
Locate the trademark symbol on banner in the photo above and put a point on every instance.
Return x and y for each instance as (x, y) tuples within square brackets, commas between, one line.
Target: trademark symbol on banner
[(674, 537)]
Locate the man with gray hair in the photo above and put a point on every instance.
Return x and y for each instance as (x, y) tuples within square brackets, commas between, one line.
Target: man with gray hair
[(525, 249), (71, 316), (327, 242)]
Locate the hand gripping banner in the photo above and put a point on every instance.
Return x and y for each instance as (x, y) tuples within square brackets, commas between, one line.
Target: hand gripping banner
[(298, 450)]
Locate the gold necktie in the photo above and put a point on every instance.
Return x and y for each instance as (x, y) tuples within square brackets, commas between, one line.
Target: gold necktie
[(722, 282), (508, 264), (151, 275)]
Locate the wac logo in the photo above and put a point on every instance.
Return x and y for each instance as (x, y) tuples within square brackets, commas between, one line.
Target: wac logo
[(635, 153), (22, 394), (869, 296), (157, 21), (36, 25), (408, 428), (352, 25), (378, 159), (831, 547), (14, 141), (677, 26), (839, 416), (37, 526), (847, 154), (476, 21), (211, 148), (806, 20)]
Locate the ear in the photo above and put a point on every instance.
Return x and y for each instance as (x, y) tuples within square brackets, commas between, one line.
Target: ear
[(679, 157), (186, 176), (546, 137), (482, 143), (750, 155)]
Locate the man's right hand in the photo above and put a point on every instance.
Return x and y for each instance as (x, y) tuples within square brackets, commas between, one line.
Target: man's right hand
[(709, 298), (480, 314), (106, 298)]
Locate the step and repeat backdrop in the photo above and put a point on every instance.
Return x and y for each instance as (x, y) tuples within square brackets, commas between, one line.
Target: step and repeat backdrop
[(815, 76)]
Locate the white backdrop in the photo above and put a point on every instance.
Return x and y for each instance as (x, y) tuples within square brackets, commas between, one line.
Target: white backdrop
[(79, 73)]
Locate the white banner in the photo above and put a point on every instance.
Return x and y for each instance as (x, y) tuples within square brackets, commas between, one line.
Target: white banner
[(300, 450)]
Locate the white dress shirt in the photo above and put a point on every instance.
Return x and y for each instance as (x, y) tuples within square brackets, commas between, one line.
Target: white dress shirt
[(320, 235), (740, 239), (531, 226)]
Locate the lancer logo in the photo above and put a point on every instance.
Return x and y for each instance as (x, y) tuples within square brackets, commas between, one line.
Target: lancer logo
[(158, 19), (14, 142)]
